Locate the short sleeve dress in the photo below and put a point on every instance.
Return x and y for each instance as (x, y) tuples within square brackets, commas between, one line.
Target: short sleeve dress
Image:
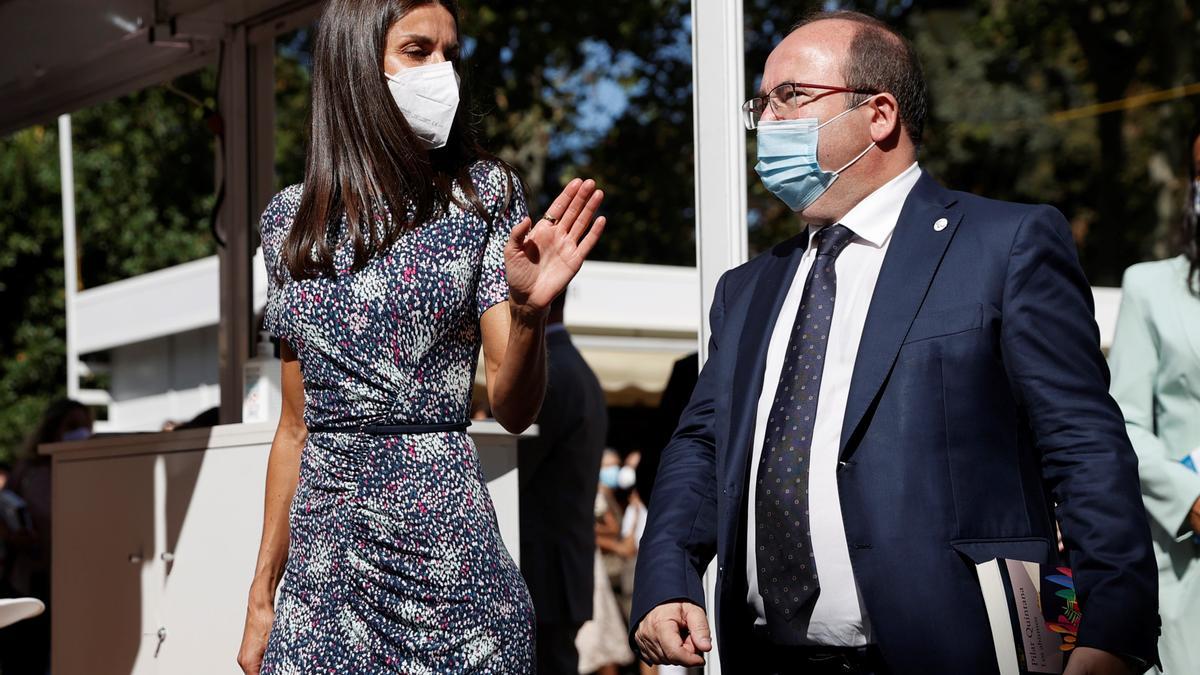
[(395, 560)]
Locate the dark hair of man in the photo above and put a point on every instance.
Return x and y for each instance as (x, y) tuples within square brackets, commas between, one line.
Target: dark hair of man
[(1191, 219), (883, 60), (364, 162)]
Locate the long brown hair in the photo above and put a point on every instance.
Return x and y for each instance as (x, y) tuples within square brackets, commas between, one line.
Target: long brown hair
[(364, 162)]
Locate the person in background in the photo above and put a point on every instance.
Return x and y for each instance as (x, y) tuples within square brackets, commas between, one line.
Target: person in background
[(209, 417), (11, 508), (557, 471), (633, 523), (25, 646), (601, 640), (1155, 362), (674, 399)]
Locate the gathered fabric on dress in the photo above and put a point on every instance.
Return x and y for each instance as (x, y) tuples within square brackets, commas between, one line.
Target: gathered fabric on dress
[(395, 561)]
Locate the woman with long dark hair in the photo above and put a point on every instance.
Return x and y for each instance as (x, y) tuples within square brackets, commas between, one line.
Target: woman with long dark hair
[(406, 249), (1155, 361)]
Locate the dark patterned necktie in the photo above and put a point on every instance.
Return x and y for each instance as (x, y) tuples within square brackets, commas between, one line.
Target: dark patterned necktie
[(787, 572)]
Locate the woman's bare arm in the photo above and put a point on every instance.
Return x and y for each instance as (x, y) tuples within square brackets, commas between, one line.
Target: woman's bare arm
[(283, 473)]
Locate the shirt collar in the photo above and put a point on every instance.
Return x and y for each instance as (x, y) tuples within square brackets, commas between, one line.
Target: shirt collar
[(874, 218)]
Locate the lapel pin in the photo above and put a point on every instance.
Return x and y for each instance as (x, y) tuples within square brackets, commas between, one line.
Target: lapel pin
[(940, 224)]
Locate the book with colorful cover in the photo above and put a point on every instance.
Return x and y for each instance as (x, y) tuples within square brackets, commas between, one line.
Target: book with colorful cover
[(1033, 614), (1192, 461)]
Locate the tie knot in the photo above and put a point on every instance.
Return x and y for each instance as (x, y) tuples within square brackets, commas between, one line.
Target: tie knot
[(832, 239)]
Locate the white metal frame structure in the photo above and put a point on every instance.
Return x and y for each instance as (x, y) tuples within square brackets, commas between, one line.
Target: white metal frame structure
[(718, 76), (718, 84), (66, 165)]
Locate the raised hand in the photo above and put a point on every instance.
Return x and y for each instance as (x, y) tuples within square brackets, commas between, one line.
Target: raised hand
[(540, 260)]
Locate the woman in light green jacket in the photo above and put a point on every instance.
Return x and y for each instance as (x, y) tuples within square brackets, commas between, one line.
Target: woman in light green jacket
[(1155, 362)]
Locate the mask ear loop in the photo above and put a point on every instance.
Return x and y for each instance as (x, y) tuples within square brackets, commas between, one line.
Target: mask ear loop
[(847, 111), (851, 162), (847, 165)]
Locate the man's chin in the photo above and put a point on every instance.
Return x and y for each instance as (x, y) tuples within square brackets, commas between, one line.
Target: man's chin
[(816, 216), (819, 212)]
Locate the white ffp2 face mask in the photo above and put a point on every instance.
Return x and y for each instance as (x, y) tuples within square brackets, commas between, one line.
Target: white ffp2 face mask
[(627, 477), (428, 98)]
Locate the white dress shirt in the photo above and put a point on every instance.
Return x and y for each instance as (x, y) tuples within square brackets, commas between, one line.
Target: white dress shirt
[(838, 618)]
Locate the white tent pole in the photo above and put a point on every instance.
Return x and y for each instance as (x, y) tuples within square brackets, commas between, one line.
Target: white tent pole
[(720, 145), (66, 169), (718, 78)]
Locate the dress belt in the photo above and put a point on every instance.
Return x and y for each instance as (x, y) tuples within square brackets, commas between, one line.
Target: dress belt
[(391, 429)]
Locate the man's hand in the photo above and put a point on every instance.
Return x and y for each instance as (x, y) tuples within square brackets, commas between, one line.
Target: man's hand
[(1089, 661), (674, 633), (1194, 517)]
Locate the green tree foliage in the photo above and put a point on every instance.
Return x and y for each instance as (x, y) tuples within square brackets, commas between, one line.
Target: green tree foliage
[(600, 90), (31, 282), (144, 187), (999, 70)]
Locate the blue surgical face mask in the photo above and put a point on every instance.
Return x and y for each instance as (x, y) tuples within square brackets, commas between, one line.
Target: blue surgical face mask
[(787, 160), (77, 434), (610, 476)]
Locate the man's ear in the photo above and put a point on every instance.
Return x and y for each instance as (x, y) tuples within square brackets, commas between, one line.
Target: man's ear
[(885, 119)]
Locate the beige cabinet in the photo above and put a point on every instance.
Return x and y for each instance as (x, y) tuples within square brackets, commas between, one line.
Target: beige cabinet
[(103, 536)]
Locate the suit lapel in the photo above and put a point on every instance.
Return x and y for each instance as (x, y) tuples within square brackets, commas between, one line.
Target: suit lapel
[(766, 298), (912, 259), (1189, 319)]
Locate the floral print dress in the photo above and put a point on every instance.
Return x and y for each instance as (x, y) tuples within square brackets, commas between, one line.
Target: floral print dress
[(395, 561)]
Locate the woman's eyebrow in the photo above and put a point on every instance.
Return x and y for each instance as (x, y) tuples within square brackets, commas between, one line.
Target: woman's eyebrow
[(425, 40)]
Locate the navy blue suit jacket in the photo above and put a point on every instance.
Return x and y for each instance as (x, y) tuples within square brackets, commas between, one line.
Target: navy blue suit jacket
[(979, 402)]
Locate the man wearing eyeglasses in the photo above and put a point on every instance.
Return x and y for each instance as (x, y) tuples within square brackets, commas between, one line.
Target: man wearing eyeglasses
[(909, 387)]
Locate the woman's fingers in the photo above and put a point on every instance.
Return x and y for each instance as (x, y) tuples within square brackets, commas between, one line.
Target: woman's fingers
[(559, 207), (580, 199), (589, 241), (580, 225), (517, 238)]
